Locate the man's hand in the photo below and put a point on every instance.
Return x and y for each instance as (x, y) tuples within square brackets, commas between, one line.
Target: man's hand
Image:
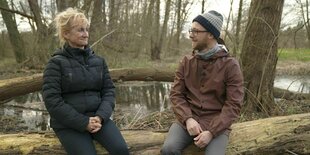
[(193, 127), (203, 139), (94, 124)]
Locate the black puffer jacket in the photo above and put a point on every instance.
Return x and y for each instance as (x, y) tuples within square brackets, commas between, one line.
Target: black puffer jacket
[(76, 85)]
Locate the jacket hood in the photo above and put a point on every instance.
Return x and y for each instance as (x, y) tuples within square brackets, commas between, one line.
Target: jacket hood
[(220, 54)]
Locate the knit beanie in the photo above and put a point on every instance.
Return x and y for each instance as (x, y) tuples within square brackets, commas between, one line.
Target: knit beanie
[(212, 21)]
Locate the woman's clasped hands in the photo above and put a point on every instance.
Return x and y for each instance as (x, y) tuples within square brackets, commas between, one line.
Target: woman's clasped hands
[(94, 124)]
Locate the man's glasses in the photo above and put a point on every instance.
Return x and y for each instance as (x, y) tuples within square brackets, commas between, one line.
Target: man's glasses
[(195, 32)]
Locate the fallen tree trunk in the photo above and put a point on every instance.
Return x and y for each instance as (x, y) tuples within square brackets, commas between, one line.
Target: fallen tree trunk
[(24, 85), (272, 136), (20, 86)]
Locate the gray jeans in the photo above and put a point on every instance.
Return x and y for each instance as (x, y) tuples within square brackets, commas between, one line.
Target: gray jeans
[(178, 139)]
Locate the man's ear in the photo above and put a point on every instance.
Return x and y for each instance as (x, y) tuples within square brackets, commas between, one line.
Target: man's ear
[(210, 36)]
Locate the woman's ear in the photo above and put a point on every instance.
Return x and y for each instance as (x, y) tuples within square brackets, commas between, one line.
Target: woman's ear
[(65, 34)]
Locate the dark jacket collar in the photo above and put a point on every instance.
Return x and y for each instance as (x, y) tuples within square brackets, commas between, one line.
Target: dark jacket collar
[(69, 51)]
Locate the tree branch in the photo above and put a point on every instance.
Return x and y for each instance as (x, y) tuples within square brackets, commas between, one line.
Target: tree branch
[(17, 12)]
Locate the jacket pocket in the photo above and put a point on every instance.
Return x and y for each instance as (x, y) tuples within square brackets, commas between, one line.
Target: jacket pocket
[(66, 81)]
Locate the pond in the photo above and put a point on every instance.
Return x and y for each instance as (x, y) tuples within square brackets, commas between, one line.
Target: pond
[(134, 100), (294, 83)]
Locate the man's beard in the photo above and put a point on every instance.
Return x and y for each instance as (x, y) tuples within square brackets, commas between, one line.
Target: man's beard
[(200, 46)]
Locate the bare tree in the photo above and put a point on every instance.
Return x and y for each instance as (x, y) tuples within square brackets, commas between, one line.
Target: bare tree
[(155, 53), (36, 11), (25, 10), (43, 37), (63, 4), (259, 54), (179, 26), (87, 6), (156, 49), (97, 25), (182, 9), (146, 25), (238, 27), (203, 2), (141, 25), (230, 14), (112, 14), (299, 27), (304, 10), (164, 27), (15, 38)]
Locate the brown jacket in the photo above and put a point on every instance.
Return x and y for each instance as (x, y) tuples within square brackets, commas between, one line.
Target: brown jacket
[(210, 91)]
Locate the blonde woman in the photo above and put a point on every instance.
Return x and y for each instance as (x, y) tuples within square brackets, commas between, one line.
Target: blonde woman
[(78, 91)]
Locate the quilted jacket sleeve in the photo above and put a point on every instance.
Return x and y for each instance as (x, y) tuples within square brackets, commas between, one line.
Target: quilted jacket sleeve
[(107, 95)]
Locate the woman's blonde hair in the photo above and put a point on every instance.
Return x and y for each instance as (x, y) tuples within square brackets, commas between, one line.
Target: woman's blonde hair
[(66, 20)]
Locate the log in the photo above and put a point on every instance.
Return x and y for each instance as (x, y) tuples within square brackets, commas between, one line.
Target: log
[(272, 136), (24, 85), (20, 86)]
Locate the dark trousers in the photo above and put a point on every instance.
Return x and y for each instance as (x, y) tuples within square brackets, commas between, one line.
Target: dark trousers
[(81, 143)]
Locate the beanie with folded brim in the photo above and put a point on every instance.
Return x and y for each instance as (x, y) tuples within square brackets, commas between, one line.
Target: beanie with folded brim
[(212, 21)]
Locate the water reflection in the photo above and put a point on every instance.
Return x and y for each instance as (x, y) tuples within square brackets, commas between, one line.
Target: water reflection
[(36, 120), (294, 83), (134, 99), (144, 96), (26, 112)]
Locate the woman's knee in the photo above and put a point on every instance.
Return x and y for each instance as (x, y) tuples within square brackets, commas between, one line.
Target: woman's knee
[(119, 150)]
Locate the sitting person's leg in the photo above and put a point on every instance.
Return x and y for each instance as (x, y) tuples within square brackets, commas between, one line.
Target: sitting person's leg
[(177, 140), (75, 142), (111, 139), (218, 145)]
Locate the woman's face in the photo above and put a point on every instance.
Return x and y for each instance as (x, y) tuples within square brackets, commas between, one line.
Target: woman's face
[(77, 37)]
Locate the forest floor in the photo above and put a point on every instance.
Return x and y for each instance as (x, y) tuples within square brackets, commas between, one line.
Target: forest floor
[(291, 67)]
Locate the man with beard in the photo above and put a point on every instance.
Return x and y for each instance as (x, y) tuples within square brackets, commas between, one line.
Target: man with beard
[(207, 92)]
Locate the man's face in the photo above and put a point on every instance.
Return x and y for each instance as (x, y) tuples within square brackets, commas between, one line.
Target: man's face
[(199, 36)]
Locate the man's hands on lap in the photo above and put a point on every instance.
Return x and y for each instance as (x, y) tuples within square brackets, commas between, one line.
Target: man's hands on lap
[(202, 138), (193, 127)]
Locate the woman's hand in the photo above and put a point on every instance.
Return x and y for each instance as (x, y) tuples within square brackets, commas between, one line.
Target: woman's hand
[(94, 124), (97, 119)]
